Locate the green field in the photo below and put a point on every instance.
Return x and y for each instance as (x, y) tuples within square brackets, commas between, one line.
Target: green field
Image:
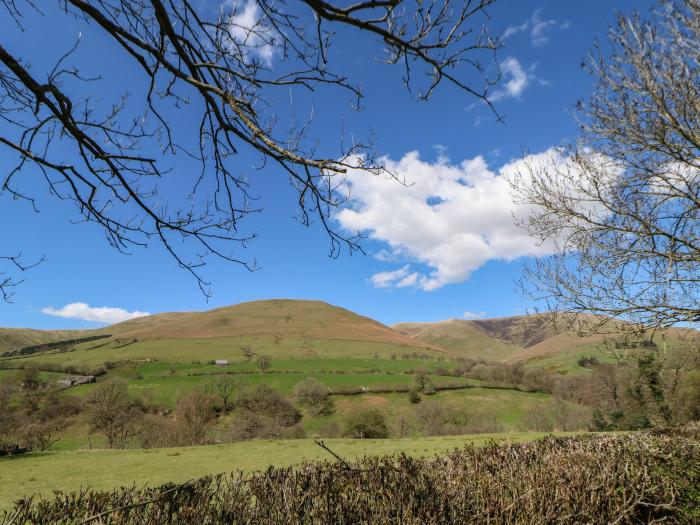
[(165, 390), (162, 383), (506, 407), (42, 473), (566, 361), (308, 364), (188, 350)]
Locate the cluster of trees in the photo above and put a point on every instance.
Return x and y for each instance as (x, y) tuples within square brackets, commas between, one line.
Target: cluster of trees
[(32, 414), (645, 388), (196, 418)]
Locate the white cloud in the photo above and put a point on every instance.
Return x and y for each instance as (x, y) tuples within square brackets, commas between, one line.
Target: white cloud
[(512, 30), (539, 28), (249, 32), (536, 27), (450, 218), (518, 80), (85, 312), (398, 278), (473, 315)]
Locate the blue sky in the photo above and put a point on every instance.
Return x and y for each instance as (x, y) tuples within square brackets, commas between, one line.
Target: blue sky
[(417, 268)]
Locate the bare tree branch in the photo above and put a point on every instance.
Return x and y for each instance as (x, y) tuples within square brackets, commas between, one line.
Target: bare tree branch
[(624, 213), (7, 281), (228, 69)]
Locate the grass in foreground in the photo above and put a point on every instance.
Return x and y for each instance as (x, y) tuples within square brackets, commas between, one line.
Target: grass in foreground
[(42, 473)]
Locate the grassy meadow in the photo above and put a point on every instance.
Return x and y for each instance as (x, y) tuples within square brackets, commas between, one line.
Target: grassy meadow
[(42, 473)]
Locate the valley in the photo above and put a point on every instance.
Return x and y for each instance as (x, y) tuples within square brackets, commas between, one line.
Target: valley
[(256, 383)]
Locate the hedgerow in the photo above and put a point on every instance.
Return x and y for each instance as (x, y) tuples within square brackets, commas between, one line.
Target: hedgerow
[(642, 477)]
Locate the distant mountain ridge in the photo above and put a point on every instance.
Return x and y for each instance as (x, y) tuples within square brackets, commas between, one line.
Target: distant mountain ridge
[(499, 339)]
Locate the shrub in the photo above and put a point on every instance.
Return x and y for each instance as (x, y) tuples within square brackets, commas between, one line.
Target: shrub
[(263, 413), (250, 425), (556, 415), (314, 395), (366, 424), (270, 403), (423, 383), (413, 397), (295, 432), (432, 416), (194, 413), (483, 423), (588, 362)]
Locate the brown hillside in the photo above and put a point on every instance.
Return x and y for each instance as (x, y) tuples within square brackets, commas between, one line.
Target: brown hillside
[(311, 319), (461, 338), (523, 330), (516, 338)]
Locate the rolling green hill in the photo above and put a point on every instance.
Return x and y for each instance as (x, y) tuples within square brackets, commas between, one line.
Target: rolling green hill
[(276, 328), (298, 329)]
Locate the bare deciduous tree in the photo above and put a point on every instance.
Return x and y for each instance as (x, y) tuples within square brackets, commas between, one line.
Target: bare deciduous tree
[(227, 389), (314, 395), (194, 413), (113, 413), (624, 211), (112, 158)]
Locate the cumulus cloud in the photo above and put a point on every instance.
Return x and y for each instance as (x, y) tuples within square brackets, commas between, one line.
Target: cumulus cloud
[(518, 80), (249, 32), (100, 314), (536, 27), (449, 218), (473, 315)]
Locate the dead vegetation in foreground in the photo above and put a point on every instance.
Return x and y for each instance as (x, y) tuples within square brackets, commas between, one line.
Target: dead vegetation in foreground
[(643, 477)]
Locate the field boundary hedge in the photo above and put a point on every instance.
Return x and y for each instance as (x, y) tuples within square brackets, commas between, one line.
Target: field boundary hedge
[(642, 477)]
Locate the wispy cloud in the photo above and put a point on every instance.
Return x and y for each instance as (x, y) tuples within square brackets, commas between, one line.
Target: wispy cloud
[(518, 80), (473, 315), (400, 278), (537, 28), (100, 314)]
